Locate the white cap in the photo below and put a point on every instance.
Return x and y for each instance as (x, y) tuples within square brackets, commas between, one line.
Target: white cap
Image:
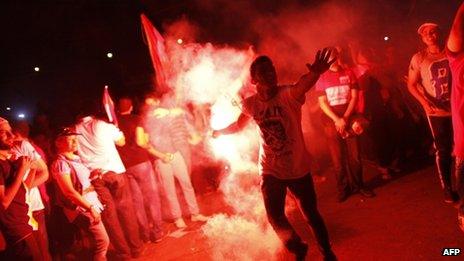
[(425, 25)]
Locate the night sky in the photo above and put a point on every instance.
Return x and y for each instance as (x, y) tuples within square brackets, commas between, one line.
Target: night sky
[(69, 39)]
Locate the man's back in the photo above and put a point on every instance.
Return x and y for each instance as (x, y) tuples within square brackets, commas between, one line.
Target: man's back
[(97, 145)]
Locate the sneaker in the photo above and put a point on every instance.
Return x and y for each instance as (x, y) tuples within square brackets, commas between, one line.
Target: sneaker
[(300, 254), (157, 238), (180, 223), (343, 196), (461, 221), (385, 172), (330, 257), (319, 179), (449, 196), (138, 252), (198, 218), (366, 193)]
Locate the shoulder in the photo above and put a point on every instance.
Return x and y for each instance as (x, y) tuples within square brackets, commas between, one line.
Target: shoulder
[(59, 166), (418, 57)]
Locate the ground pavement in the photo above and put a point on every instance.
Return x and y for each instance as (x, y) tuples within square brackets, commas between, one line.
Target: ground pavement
[(408, 220)]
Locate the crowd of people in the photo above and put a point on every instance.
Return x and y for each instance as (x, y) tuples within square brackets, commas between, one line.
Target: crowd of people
[(99, 177), (88, 180)]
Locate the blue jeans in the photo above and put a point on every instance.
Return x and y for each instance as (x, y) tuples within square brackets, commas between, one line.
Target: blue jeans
[(146, 198), (114, 193)]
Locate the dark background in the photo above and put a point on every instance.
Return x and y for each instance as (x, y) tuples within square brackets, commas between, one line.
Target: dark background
[(69, 39)]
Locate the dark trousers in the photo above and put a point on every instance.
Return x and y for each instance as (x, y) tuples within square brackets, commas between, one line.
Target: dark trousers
[(460, 183), (26, 249), (40, 235), (346, 160), (442, 132), (118, 216), (274, 192)]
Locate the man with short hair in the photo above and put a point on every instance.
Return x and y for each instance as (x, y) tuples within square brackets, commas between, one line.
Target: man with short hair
[(97, 149), (455, 52), (338, 96), (283, 158), (16, 222), (429, 81), (140, 172)]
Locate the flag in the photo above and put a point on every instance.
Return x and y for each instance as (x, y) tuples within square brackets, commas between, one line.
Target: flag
[(158, 55), (108, 104)]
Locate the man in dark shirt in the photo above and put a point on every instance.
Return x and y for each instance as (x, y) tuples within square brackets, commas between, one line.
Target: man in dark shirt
[(14, 212), (140, 172)]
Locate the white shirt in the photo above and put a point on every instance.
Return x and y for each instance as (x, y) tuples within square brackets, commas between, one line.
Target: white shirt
[(97, 147), (26, 149)]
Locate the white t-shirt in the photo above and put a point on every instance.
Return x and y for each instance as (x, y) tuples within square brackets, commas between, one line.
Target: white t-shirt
[(97, 147), (24, 148), (282, 149)]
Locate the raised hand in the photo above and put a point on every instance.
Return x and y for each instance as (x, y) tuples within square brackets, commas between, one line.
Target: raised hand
[(321, 62)]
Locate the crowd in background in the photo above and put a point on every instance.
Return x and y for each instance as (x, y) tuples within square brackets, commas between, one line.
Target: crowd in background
[(85, 181)]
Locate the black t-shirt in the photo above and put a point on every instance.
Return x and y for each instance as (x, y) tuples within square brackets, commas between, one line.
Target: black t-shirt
[(14, 219), (131, 154)]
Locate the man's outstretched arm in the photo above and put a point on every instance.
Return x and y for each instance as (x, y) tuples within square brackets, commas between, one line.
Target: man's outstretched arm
[(234, 127), (455, 39), (320, 65)]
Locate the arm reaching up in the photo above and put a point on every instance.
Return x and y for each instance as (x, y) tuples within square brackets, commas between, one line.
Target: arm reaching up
[(456, 37), (320, 65)]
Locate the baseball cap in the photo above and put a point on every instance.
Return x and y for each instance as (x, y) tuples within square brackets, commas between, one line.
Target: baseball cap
[(65, 131), (425, 25), (3, 121)]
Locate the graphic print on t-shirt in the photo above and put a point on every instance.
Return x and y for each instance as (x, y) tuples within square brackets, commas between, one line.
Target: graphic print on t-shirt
[(440, 79), (270, 124), (338, 95), (439, 74)]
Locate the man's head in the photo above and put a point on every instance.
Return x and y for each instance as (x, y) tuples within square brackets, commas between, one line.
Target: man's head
[(263, 73), (152, 99), (335, 54), (430, 33), (6, 135), (66, 140), (21, 129), (125, 105)]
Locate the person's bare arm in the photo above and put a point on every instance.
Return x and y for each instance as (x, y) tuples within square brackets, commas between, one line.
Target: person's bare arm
[(339, 122), (351, 104), (121, 141), (413, 83), (326, 109), (456, 37), (7, 193), (234, 127), (65, 185), (320, 65), (41, 173), (142, 140)]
